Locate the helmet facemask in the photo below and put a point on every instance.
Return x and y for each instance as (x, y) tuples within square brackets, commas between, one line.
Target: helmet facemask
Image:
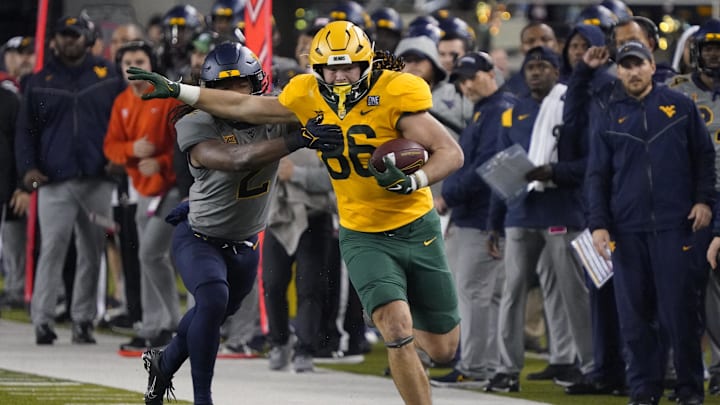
[(341, 43)]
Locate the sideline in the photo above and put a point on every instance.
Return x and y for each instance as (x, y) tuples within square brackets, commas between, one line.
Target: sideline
[(236, 381)]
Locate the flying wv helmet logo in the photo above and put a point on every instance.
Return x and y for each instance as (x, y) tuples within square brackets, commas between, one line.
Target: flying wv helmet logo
[(669, 110), (101, 71)]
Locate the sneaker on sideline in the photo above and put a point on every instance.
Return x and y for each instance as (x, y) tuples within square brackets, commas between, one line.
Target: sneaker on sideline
[(280, 355), (456, 379), (303, 363), (503, 382)]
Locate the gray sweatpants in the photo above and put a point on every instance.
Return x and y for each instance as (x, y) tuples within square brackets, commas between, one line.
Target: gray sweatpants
[(244, 324), (479, 279), (712, 321), (158, 291), (63, 208), (13, 257), (565, 296)]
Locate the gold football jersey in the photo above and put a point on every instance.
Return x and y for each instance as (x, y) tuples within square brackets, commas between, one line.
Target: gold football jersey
[(363, 205)]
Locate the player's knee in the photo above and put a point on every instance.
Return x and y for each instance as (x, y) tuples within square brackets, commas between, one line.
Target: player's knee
[(398, 343), (393, 320)]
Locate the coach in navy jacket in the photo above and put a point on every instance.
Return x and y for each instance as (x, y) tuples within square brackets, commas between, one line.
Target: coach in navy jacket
[(59, 144), (651, 181)]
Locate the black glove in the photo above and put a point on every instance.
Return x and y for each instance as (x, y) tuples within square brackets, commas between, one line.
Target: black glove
[(540, 173), (315, 135), (164, 87)]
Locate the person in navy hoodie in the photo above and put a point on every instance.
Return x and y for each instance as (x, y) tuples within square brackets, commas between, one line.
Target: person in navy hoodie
[(652, 140), (59, 146), (608, 375)]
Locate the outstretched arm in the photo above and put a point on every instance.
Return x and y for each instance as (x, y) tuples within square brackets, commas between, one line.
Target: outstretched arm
[(241, 107), (220, 103)]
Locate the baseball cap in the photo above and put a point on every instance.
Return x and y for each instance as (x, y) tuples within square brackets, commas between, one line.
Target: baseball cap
[(542, 53), (77, 25), (471, 63), (633, 48), (20, 44)]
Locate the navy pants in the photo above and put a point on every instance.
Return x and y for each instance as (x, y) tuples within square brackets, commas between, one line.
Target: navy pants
[(218, 278), (657, 289), (607, 344)]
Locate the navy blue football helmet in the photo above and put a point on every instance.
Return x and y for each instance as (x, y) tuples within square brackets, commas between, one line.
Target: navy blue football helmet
[(597, 15), (456, 28), (387, 18), (227, 8), (431, 31), (180, 23), (353, 12), (423, 20), (708, 32), (619, 8), (232, 60)]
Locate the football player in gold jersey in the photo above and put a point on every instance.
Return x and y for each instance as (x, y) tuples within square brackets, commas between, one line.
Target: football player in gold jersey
[(390, 235)]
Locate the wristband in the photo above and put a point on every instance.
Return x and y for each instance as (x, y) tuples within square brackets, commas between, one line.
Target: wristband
[(189, 94), (421, 179)]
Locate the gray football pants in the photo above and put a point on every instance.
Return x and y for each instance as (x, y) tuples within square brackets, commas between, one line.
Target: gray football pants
[(479, 279), (158, 291), (565, 297), (63, 208)]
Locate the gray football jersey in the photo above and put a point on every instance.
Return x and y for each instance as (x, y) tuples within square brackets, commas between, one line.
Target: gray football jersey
[(228, 205), (709, 110)]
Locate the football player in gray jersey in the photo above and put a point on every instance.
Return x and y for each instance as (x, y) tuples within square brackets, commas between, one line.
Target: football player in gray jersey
[(215, 240), (703, 86)]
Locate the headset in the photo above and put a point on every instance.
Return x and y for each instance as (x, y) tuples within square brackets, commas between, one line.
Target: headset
[(646, 24), (650, 28), (136, 46)]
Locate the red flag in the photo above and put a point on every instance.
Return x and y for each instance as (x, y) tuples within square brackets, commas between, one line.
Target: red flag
[(258, 32)]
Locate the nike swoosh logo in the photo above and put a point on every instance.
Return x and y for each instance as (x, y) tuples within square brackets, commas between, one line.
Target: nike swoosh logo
[(621, 120), (256, 244), (523, 116), (394, 187), (686, 248), (429, 241), (363, 112)]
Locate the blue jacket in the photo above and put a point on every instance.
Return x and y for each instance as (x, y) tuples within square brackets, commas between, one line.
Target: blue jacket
[(561, 206), (63, 119), (650, 162), (465, 191)]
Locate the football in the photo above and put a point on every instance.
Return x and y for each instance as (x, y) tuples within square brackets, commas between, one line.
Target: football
[(407, 155)]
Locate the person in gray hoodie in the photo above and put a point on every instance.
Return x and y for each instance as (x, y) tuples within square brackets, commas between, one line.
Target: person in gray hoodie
[(421, 58)]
